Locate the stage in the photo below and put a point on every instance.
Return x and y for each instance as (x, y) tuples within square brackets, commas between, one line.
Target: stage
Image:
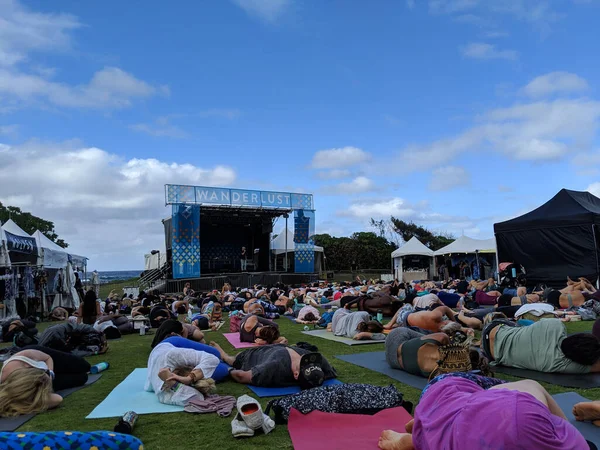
[(210, 282)]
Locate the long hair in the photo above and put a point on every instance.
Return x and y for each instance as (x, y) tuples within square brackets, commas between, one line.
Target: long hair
[(89, 304), (26, 390), (205, 386), (165, 330), (372, 326)]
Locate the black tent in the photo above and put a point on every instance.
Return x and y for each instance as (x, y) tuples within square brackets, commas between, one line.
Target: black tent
[(556, 240)]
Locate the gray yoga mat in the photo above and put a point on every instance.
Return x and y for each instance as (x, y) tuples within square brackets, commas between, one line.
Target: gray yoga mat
[(566, 401), (376, 362), (12, 423), (587, 381), (324, 334)]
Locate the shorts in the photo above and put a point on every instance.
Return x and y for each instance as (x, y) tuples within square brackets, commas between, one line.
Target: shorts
[(510, 291), (553, 299), (403, 316)]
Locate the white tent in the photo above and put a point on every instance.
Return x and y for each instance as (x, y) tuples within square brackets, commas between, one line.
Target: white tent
[(155, 261), (11, 227), (413, 247), (4, 258), (53, 255), (466, 244), (278, 244)]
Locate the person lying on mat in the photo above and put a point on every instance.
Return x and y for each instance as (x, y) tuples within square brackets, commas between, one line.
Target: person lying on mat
[(180, 306), (427, 320), (426, 302), (172, 327), (158, 314), (476, 319), (543, 346), (355, 325), (179, 369), (260, 331), (29, 379), (261, 308), (308, 315), (278, 366), (464, 411), (423, 354)]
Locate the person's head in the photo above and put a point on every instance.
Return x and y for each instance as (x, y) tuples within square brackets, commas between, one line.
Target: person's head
[(256, 309), (243, 248), (268, 333), (309, 372), (89, 303), (372, 326), (167, 329), (24, 391), (226, 287), (582, 348), (205, 386), (310, 317), (188, 285), (181, 309)]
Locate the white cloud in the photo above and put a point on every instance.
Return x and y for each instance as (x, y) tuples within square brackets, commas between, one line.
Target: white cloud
[(8, 129), (481, 50), (410, 4), (160, 128), (396, 207), (110, 87), (339, 157), (594, 188), (92, 194), (23, 31), (544, 130), (449, 177), (356, 186), (267, 10), (334, 174), (555, 82)]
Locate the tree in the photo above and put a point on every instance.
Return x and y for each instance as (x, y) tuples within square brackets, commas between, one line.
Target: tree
[(30, 223), (407, 230), (365, 249)]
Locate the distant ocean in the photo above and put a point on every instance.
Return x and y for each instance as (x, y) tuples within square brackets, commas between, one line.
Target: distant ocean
[(116, 275)]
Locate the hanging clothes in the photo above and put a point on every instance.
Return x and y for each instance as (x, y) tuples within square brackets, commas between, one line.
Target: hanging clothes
[(28, 283)]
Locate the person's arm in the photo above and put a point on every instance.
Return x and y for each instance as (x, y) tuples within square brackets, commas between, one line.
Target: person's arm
[(241, 376), (54, 401), (38, 356), (365, 336), (265, 322), (98, 310), (281, 340)]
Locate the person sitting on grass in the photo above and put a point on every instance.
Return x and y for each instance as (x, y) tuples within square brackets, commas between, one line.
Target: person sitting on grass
[(543, 346), (260, 331), (179, 369), (30, 378), (464, 411), (355, 325), (278, 366)]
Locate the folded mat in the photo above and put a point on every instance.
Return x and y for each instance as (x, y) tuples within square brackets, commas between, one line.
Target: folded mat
[(234, 339), (331, 431), (376, 361), (12, 423), (280, 392), (587, 381), (566, 401), (130, 395), (344, 340)]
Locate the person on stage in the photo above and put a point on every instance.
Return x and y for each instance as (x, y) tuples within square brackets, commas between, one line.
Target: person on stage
[(243, 259)]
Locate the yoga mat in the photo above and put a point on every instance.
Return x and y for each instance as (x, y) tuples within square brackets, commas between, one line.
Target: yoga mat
[(331, 431), (292, 318), (280, 392), (12, 423), (324, 334), (376, 361), (130, 395), (234, 339), (587, 381), (566, 401)]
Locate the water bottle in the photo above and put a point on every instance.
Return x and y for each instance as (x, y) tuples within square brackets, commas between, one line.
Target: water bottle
[(100, 367), (190, 314), (306, 328), (379, 315), (143, 329), (514, 272), (126, 423)]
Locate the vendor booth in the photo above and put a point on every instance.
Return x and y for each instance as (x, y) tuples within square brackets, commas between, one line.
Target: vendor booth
[(413, 261), (467, 257)]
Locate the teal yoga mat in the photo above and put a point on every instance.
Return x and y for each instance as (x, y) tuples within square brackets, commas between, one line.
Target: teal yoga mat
[(130, 395)]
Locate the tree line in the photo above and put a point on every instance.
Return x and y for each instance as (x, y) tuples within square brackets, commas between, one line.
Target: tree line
[(30, 223)]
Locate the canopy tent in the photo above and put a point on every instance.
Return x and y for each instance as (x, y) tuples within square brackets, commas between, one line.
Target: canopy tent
[(279, 247), (22, 248), (466, 244), (155, 261), (413, 247), (4, 258), (556, 240), (53, 255)]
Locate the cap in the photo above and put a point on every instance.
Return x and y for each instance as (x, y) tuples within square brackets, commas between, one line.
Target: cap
[(311, 373)]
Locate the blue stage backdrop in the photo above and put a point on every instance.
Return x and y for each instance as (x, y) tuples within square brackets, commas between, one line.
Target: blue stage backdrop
[(186, 201), (186, 241)]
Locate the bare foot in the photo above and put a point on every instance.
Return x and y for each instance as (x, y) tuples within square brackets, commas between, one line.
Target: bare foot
[(409, 426), (390, 440), (587, 411)]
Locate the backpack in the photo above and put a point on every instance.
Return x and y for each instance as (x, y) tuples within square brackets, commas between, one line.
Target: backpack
[(337, 398), (235, 323), (326, 319)]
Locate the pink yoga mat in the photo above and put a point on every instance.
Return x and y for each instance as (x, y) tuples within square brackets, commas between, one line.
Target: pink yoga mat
[(328, 431), (234, 339)]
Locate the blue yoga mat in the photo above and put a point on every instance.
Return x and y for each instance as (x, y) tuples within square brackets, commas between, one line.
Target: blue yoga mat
[(130, 395), (566, 401), (280, 392)]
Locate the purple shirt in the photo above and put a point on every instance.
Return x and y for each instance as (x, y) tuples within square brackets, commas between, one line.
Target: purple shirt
[(458, 414)]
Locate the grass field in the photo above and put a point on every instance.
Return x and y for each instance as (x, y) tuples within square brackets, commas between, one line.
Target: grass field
[(116, 286), (183, 430)]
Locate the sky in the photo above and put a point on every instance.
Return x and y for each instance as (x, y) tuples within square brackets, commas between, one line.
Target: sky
[(454, 114)]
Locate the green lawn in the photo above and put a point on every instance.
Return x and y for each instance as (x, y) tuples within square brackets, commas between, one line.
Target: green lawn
[(182, 430), (117, 286)]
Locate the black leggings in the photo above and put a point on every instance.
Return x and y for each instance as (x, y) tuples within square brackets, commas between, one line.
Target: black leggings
[(69, 370)]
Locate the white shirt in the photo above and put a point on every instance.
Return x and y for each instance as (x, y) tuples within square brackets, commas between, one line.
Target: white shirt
[(167, 355), (537, 309)]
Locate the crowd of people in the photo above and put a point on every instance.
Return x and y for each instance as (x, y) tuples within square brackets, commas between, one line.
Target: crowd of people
[(431, 334)]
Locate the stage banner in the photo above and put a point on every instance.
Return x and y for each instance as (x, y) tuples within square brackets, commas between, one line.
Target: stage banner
[(186, 241), (304, 230)]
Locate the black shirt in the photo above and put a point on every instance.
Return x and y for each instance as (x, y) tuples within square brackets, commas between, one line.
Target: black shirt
[(462, 287), (271, 365), (243, 254)]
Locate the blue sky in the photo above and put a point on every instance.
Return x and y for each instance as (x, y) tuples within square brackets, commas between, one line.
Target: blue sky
[(451, 113)]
